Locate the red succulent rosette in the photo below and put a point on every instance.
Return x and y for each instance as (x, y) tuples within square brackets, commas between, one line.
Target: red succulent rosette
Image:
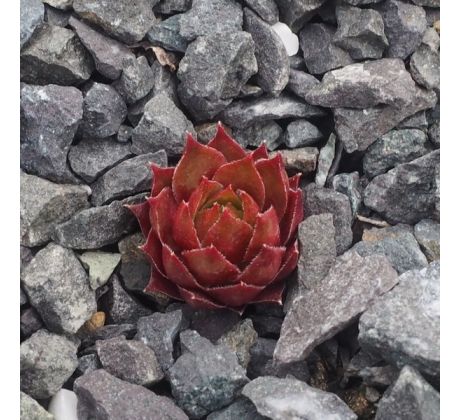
[(221, 225)]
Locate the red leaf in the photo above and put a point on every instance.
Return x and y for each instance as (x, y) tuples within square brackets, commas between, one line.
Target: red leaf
[(162, 177), (227, 195), (210, 267), (162, 211), (289, 263), (236, 294), (183, 230), (153, 249), (177, 271), (242, 174), (159, 284), (141, 212), (250, 207), (198, 300), (202, 194), (294, 181), (264, 267), (271, 294), (197, 161), (226, 145), (260, 153), (293, 216)]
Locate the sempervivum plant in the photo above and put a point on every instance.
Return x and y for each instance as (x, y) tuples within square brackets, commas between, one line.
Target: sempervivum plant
[(221, 226)]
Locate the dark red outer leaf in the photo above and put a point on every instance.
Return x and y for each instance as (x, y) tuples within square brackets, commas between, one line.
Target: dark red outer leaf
[(260, 153), (153, 250), (159, 284), (198, 300), (235, 295), (290, 262), (183, 230), (294, 181), (250, 207), (205, 218), (141, 212), (271, 294), (197, 161), (202, 194), (226, 145), (162, 177), (162, 212), (242, 174), (176, 271), (293, 216), (264, 267)]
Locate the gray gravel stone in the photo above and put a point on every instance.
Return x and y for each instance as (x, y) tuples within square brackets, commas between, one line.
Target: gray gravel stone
[(23, 296), (351, 286), (88, 363), (281, 399), (127, 22), (427, 234), (241, 409), (105, 332), (349, 184), (403, 326), (243, 113), (91, 157), (407, 193), (44, 205), (57, 287), (124, 133), (272, 58), (171, 6), (163, 126), (103, 111), (30, 322), (32, 410), (409, 398), (296, 12), (325, 158), (405, 24), (394, 148), (129, 177), (425, 66), (205, 377), (250, 91), (266, 9), (108, 54), (49, 119), (418, 120), (57, 17), (211, 17), (321, 55), (297, 62), (60, 4), (360, 32), (211, 324), (361, 2), (129, 360), (300, 82), (166, 34), (265, 131), (100, 265), (302, 159), (32, 12), (102, 396), (47, 361), (301, 133), (427, 3), (55, 55), (434, 134), (213, 71)]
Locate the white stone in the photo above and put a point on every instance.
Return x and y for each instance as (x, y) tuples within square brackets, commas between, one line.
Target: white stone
[(290, 40), (63, 405), (100, 265)]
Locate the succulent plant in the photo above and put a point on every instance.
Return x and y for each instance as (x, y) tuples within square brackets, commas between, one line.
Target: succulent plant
[(221, 225)]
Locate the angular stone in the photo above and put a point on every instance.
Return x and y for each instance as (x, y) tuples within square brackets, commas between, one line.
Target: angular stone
[(105, 332), (407, 193), (32, 12), (218, 382), (265, 131), (129, 177), (271, 54), (30, 323), (47, 361), (324, 200), (91, 157), (170, 6), (211, 324), (108, 54), (88, 363), (31, 409), (266, 325), (49, 119), (427, 234), (44, 205), (266, 9), (321, 55), (241, 409), (127, 22), (425, 67), (64, 405), (211, 17), (296, 12), (403, 326), (409, 398), (103, 111), (213, 71), (242, 114), (394, 148), (300, 82), (301, 133), (166, 34), (163, 126), (100, 392), (351, 286), (434, 134), (100, 265), (325, 158), (279, 399), (297, 63), (302, 159), (57, 17), (361, 2), (405, 24), (60, 4), (124, 133), (418, 120), (360, 32), (55, 55), (129, 360), (250, 91)]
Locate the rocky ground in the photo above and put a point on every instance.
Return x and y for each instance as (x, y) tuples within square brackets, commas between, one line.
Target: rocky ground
[(108, 86)]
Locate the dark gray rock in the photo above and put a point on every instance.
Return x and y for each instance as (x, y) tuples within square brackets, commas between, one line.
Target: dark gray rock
[(418, 120), (266, 325), (163, 126), (296, 12), (434, 134), (171, 6), (105, 332), (57, 17), (409, 398), (166, 34), (361, 2), (211, 324), (129, 177), (103, 111), (319, 51), (45, 204), (91, 157), (297, 62), (242, 113), (88, 363), (129, 360), (394, 148), (250, 91), (136, 79), (266, 9), (32, 12), (403, 326), (213, 71), (159, 331), (49, 119), (30, 322), (407, 193), (427, 3), (323, 200), (241, 409), (205, 377), (124, 133), (360, 32), (47, 361), (127, 22), (55, 55), (425, 67), (349, 184), (31, 409), (427, 234), (97, 226), (57, 287), (100, 392), (211, 17), (26, 257), (265, 131), (108, 54), (271, 54), (300, 82), (23, 296), (379, 376), (351, 286), (405, 24), (325, 158), (301, 133), (302, 159), (280, 399)]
